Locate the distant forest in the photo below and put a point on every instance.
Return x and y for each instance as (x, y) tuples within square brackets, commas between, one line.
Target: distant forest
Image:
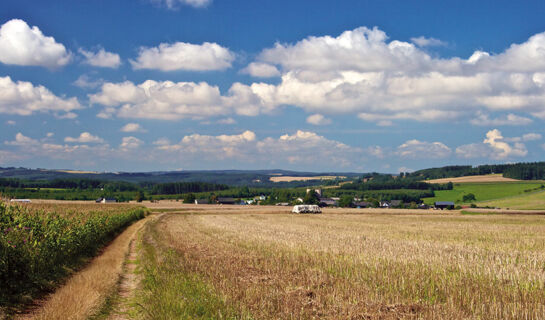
[(521, 171)]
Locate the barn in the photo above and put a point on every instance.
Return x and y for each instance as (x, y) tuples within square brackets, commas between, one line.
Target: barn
[(444, 205)]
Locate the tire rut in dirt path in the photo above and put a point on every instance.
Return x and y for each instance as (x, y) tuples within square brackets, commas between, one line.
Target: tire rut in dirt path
[(127, 286), (128, 283)]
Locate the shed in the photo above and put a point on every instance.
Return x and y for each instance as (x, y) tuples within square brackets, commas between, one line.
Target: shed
[(327, 202), (444, 205), (202, 201), (226, 200), (362, 204)]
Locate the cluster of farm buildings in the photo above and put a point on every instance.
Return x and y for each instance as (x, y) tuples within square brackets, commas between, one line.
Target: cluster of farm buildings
[(329, 202)]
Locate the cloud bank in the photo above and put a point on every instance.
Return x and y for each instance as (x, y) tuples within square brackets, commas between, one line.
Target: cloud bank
[(362, 72)]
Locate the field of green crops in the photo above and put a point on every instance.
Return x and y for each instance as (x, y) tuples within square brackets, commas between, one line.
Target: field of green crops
[(485, 191), (40, 245), (526, 201)]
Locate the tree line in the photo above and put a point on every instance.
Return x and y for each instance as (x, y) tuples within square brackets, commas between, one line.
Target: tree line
[(521, 171)]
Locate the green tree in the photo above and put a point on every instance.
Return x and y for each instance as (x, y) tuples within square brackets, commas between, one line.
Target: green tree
[(468, 197), (139, 196), (311, 198), (189, 198), (346, 201)]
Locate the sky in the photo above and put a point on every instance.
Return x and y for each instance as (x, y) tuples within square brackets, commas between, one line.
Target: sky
[(360, 86)]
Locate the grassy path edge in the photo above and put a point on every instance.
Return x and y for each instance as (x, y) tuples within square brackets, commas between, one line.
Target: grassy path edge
[(171, 291)]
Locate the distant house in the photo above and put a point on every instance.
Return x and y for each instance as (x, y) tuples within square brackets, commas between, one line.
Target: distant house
[(423, 206), (106, 200), (222, 200), (384, 204), (395, 203), (362, 204), (328, 202), (202, 201), (444, 205)]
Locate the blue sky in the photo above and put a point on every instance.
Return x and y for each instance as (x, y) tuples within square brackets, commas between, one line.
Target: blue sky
[(383, 86)]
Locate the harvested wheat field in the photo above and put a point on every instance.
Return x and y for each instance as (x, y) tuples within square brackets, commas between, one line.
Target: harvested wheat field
[(292, 178), (475, 179), (229, 265)]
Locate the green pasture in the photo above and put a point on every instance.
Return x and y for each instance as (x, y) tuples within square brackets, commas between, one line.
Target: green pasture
[(526, 201), (486, 191)]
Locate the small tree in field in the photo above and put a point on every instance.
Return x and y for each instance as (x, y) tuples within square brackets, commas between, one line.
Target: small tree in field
[(468, 197)]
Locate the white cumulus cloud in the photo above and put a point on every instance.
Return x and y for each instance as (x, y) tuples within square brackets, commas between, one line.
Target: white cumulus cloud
[(428, 42), (132, 127), (508, 120), (184, 56), (494, 146), (22, 140), (130, 143), (415, 149), (25, 46), (85, 82), (23, 98), (101, 58), (169, 100), (299, 148), (84, 137), (318, 120), (363, 72)]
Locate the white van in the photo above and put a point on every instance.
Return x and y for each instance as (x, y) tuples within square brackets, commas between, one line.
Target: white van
[(306, 208)]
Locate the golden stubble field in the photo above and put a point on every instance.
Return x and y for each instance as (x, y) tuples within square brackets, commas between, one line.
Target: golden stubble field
[(373, 265)]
